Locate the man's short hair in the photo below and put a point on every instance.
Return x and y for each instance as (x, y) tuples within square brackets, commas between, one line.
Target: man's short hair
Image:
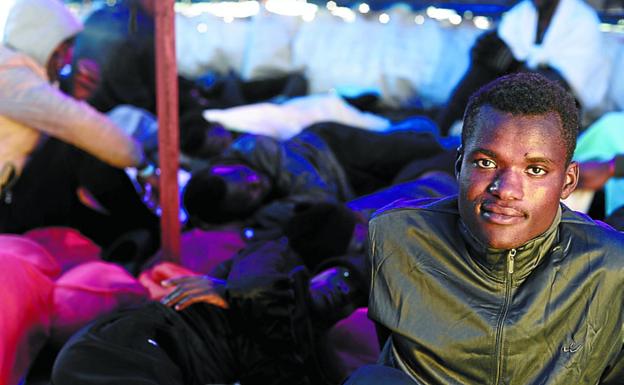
[(526, 93)]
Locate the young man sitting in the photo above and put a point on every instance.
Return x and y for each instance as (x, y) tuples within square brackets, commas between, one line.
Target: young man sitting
[(501, 284)]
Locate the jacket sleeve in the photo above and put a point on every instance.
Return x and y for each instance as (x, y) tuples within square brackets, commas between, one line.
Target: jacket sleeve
[(615, 373), (28, 99)]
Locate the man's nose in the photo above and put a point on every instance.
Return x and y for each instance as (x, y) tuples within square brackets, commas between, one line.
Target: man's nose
[(507, 185)]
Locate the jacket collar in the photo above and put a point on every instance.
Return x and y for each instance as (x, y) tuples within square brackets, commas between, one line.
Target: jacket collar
[(528, 256)]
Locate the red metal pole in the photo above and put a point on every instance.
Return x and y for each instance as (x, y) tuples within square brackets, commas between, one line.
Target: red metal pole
[(168, 133)]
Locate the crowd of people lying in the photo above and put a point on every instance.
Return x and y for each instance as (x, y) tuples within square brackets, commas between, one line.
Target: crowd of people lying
[(302, 204)]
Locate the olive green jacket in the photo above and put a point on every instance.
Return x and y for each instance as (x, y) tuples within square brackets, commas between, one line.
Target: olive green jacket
[(548, 312)]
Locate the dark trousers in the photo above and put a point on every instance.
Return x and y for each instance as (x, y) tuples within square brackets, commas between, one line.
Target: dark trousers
[(45, 194), (379, 375), (151, 345), (371, 160), (154, 344)]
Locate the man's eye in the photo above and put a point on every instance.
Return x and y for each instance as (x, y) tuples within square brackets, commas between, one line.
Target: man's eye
[(484, 163), (537, 171)]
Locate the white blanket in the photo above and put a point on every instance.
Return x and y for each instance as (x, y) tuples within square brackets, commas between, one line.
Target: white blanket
[(283, 121)]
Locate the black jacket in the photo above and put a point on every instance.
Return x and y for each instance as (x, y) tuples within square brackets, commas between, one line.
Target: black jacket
[(459, 316), (301, 169)]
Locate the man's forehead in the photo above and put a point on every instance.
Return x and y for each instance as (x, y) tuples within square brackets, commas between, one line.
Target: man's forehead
[(491, 122), (497, 133), (529, 157)]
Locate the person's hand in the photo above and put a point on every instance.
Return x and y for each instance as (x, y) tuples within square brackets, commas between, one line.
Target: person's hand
[(148, 179), (194, 289), (86, 78), (334, 295)]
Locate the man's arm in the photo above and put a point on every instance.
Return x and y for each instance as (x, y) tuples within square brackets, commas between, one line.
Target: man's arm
[(28, 99)]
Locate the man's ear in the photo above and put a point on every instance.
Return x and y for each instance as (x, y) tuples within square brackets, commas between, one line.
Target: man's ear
[(571, 179), (458, 160)]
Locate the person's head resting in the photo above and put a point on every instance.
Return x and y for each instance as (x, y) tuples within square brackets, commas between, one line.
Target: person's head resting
[(319, 231), (43, 30), (200, 138), (514, 164), (224, 193)]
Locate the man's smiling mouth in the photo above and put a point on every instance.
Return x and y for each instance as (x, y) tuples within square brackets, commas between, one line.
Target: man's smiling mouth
[(501, 215)]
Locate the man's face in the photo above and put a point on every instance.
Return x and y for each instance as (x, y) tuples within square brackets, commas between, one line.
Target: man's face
[(512, 176), (246, 188)]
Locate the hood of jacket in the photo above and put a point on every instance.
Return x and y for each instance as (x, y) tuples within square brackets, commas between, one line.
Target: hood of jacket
[(37, 27)]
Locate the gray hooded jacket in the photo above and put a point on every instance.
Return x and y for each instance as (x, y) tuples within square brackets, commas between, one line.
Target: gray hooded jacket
[(31, 108)]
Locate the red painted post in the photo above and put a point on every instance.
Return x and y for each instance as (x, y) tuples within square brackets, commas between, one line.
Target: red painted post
[(168, 133)]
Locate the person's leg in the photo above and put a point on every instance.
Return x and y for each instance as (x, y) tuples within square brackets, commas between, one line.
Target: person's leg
[(372, 159), (378, 374), (151, 345), (113, 190), (444, 162), (44, 193)]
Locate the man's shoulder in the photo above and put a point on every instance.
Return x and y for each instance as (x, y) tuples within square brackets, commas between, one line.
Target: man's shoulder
[(17, 68), (14, 59), (430, 215), (419, 206), (581, 226), (253, 148)]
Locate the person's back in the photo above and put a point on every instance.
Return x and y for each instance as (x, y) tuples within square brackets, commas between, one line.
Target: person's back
[(571, 44), (117, 44), (303, 165), (559, 39), (106, 28)]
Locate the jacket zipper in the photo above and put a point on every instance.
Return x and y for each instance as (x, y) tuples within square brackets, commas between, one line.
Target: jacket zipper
[(499, 328)]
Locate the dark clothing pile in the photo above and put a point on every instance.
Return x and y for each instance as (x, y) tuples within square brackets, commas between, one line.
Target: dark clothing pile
[(265, 337), (47, 194)]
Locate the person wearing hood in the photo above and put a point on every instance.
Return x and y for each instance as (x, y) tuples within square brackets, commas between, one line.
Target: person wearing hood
[(56, 151)]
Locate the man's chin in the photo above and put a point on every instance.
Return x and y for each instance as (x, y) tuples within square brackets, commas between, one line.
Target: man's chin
[(503, 241), (501, 236)]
